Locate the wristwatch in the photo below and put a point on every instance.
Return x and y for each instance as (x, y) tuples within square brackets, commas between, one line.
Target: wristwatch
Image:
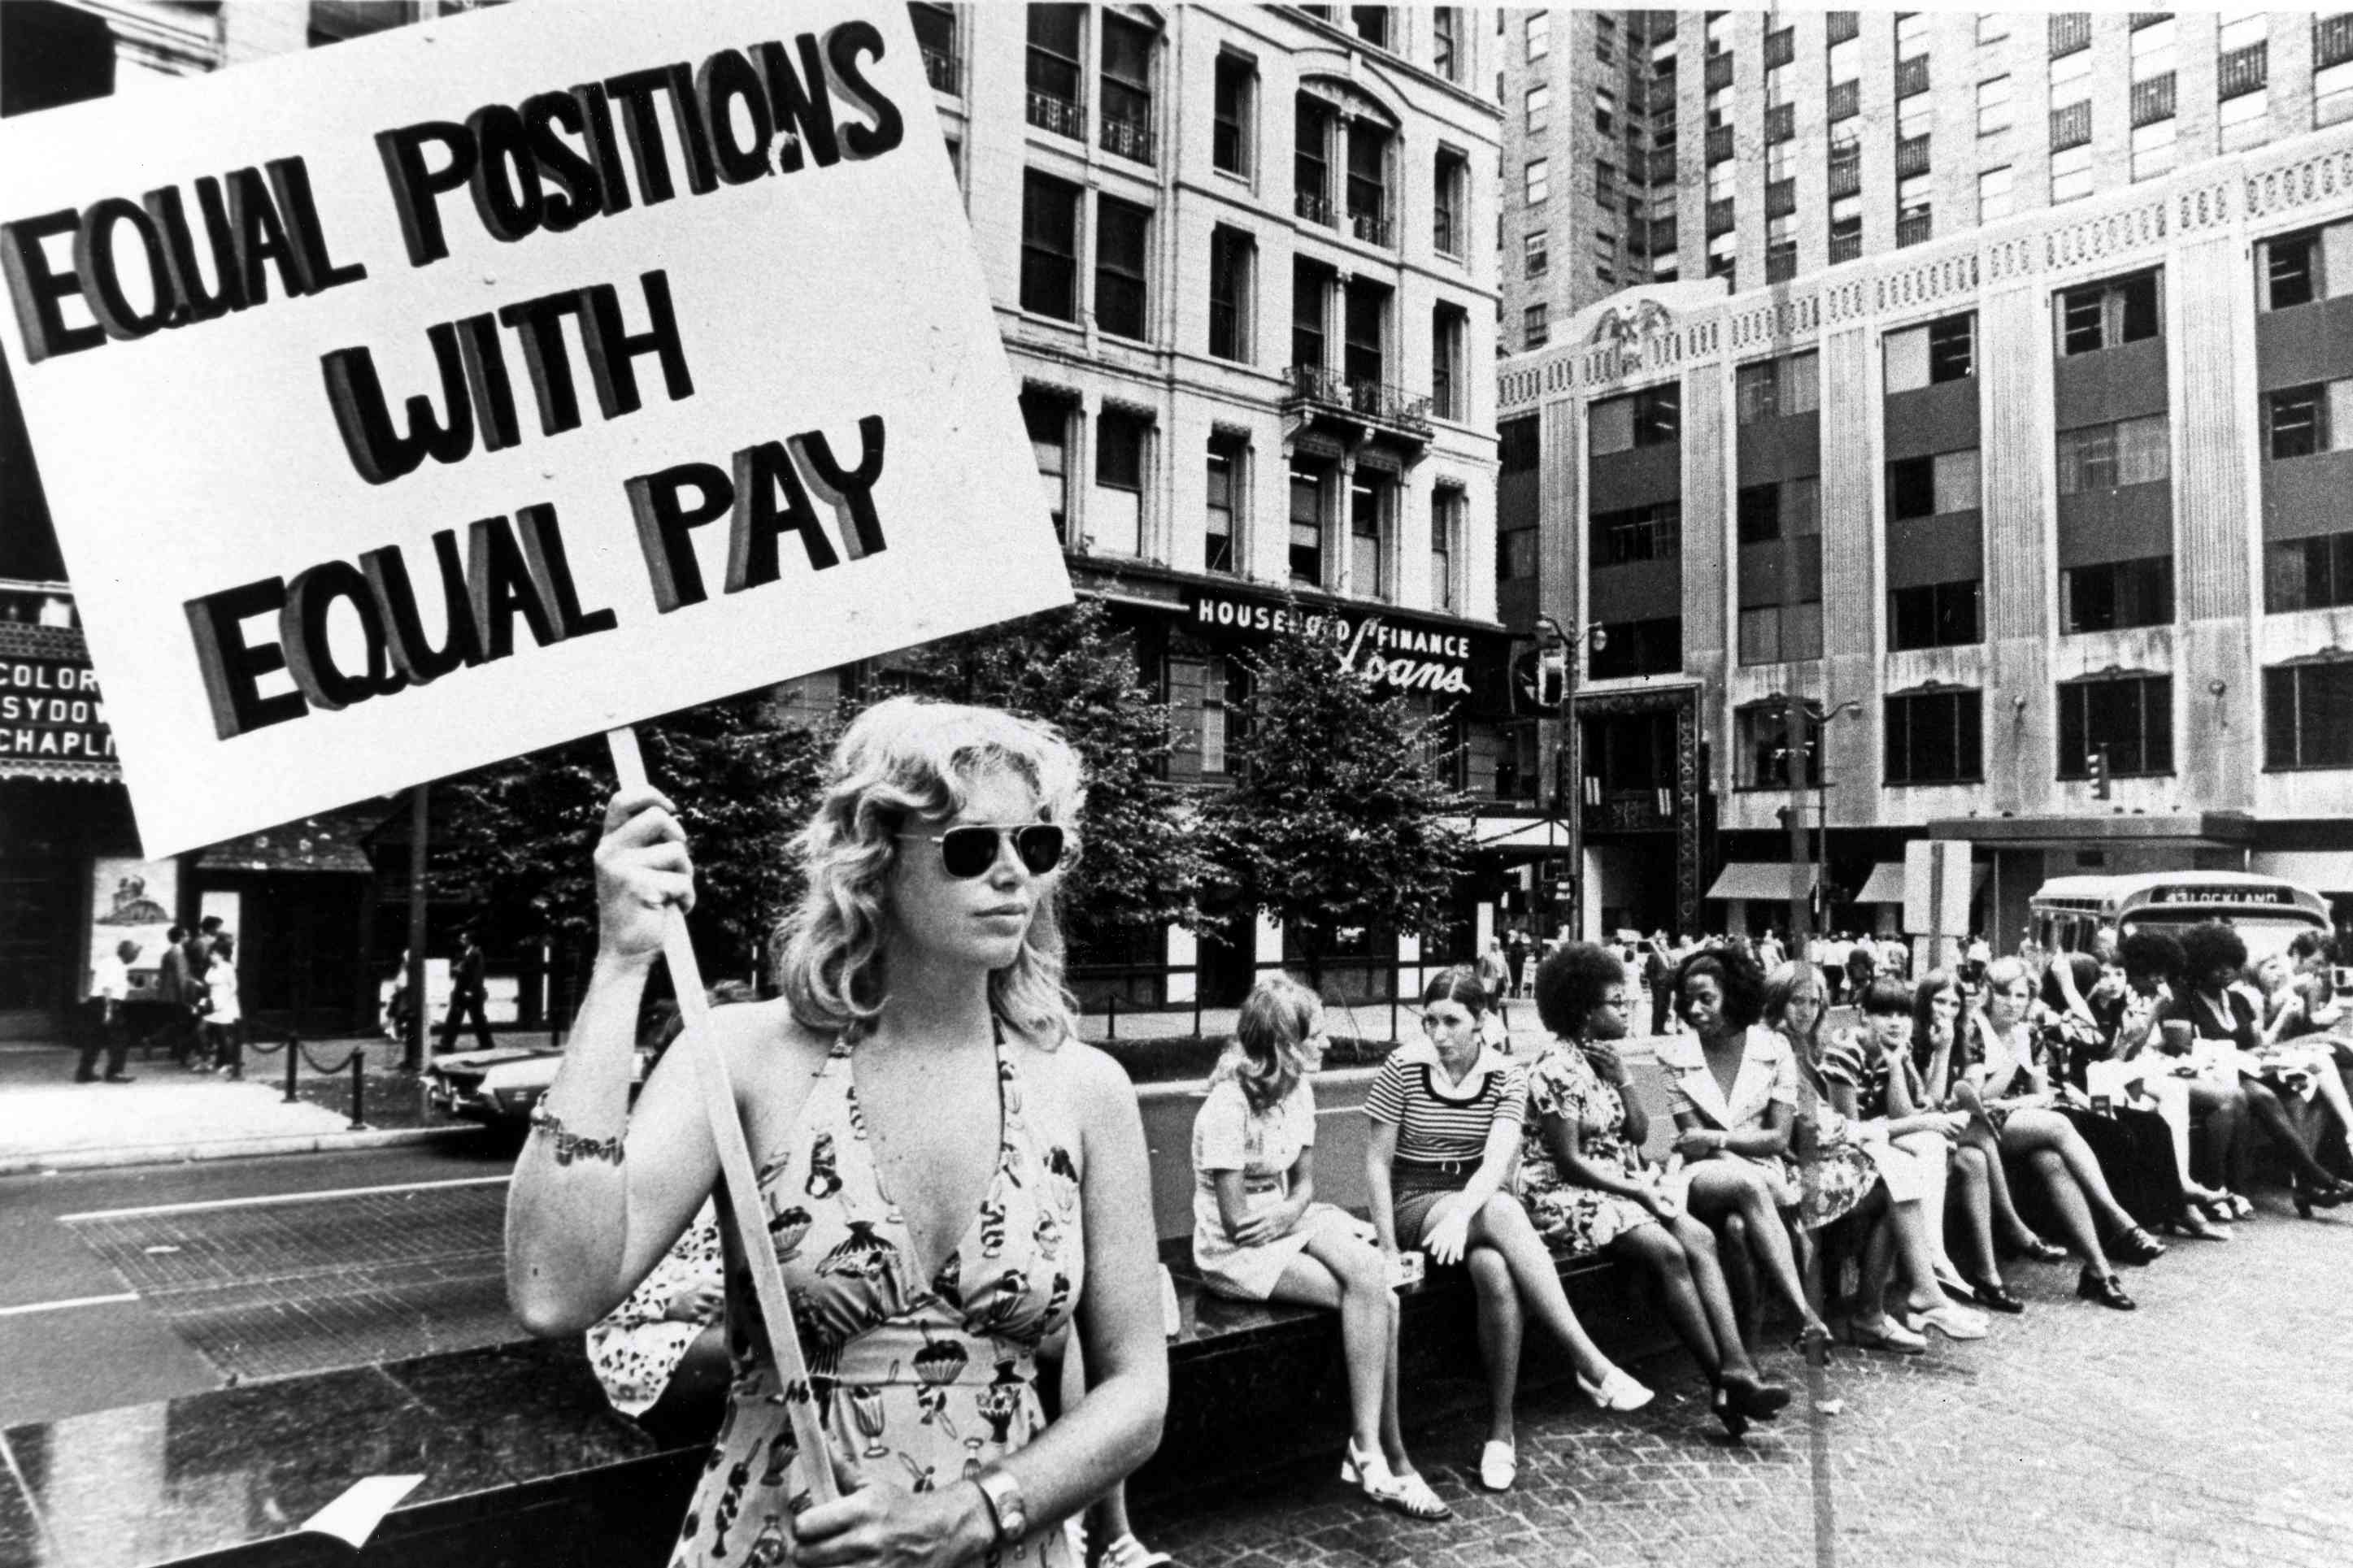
[(1006, 1504)]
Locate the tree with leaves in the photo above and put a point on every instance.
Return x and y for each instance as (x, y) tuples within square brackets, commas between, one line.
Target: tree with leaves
[(1338, 819), (1142, 867), (744, 778)]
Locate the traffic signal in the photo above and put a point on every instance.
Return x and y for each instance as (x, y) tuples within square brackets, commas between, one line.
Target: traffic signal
[(1552, 678), (2096, 764)]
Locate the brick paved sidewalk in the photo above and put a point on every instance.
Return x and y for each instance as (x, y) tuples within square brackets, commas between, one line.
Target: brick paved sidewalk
[(2213, 1427)]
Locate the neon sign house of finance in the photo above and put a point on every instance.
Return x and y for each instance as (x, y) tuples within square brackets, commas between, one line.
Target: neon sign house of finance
[(1406, 657)]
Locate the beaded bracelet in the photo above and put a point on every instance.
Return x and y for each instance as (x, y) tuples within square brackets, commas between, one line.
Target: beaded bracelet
[(570, 1145)]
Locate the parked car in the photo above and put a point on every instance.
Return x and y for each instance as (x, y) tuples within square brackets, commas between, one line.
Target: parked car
[(500, 1085)]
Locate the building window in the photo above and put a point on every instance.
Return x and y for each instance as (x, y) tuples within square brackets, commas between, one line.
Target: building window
[(2070, 31), (1126, 88), (1933, 486), (1535, 328), (1915, 210), (1762, 752), (1993, 105), (1933, 737), (1779, 508), (1605, 111), (1122, 235), (2109, 455), (1539, 109), (1934, 615), (935, 38), (1371, 23), (1233, 266), (2332, 76), (1054, 70), (1115, 512), (1227, 457), (1781, 634), (1368, 497), (1993, 194), (1535, 257), (1631, 648), (1539, 35), (1049, 422), (2314, 573), (1649, 417), (1311, 174), (1779, 386), (1451, 204), (2308, 716), (1369, 204), (2106, 315), (1944, 349), (2153, 150), (1446, 41), (1846, 228), (1232, 136), (2301, 420), (2070, 174), (1446, 509), (1364, 328), (1536, 181), (1449, 330), (1992, 27), (1049, 247), (1723, 259), (1307, 486), (1310, 289), (2246, 119), (2116, 595), (1649, 532), (1516, 555), (2131, 717)]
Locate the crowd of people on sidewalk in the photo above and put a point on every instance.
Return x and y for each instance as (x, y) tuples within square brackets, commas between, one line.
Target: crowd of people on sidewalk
[(193, 1008), (955, 1188)]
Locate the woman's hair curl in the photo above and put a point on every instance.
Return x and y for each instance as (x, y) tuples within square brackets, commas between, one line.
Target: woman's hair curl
[(903, 762), (1268, 1030)]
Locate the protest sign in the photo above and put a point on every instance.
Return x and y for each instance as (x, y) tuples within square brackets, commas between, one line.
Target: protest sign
[(409, 405)]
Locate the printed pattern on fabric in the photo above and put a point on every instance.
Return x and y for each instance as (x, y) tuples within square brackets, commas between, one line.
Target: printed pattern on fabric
[(636, 1346), (1568, 1214), (927, 1379)]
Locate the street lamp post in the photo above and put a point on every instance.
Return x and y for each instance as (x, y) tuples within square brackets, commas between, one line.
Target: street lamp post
[(1802, 720), (1568, 784)]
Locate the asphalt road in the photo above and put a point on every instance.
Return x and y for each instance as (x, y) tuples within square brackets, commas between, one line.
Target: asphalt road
[(130, 1284)]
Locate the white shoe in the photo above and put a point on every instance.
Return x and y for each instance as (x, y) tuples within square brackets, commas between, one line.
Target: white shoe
[(1954, 1322), (1499, 1466), (1616, 1391)]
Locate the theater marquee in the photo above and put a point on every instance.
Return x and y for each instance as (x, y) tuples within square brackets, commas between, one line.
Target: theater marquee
[(52, 719)]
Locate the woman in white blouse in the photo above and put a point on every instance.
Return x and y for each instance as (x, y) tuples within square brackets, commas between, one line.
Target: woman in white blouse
[(1736, 1100)]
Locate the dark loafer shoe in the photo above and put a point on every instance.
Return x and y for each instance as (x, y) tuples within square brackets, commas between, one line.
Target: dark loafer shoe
[(2105, 1288), (1995, 1295)]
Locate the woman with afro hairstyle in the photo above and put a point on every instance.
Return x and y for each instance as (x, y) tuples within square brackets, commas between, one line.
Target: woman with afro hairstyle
[(2214, 960), (1588, 1188), (1735, 1102)]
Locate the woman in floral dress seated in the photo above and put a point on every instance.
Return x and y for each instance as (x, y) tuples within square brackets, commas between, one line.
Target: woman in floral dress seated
[(1846, 1164), (946, 1177), (1940, 1011), (1259, 1234), (1588, 1188)]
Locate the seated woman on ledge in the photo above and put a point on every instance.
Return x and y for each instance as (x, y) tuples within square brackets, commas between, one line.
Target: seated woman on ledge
[(1259, 1234), (1940, 1007), (2001, 1084), (1444, 1144), (946, 1177), (1736, 1100), (1846, 1164), (1588, 1189), (2214, 958)]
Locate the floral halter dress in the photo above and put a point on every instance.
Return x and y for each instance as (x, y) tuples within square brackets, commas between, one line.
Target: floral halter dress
[(924, 1379)]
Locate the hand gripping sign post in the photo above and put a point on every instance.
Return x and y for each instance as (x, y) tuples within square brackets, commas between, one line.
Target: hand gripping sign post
[(412, 405)]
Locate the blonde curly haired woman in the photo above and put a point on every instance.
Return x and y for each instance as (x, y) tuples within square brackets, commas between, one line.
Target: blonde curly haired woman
[(948, 1175)]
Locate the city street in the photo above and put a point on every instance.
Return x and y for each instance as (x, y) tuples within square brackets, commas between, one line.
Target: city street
[(133, 1285), (2209, 1429)]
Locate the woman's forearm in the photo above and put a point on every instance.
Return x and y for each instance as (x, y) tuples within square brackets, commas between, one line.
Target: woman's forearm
[(567, 1223), (1378, 1192)]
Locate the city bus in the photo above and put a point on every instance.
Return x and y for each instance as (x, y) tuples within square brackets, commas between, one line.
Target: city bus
[(2266, 911)]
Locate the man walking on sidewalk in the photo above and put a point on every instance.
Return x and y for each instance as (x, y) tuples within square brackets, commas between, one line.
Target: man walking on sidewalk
[(110, 986), (175, 988), (467, 988)]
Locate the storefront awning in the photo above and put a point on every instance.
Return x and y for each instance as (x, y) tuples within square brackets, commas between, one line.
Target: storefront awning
[(332, 841), (1756, 880), (1886, 883), (1520, 834)]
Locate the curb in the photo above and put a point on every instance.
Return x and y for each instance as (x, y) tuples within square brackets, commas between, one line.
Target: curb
[(230, 1149)]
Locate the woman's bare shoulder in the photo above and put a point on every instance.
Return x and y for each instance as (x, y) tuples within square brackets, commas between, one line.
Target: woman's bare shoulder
[(770, 1053)]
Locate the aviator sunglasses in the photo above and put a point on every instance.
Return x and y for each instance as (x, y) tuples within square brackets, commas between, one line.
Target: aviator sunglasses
[(968, 851)]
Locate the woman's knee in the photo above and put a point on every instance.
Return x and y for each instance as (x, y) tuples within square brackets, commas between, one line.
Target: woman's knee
[(1359, 1268), (1489, 1275)]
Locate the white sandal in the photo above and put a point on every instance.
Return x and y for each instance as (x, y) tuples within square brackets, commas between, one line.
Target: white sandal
[(1499, 1466), (1127, 1552)]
